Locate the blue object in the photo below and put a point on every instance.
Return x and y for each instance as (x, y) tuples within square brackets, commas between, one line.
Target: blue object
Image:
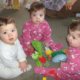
[(59, 58)]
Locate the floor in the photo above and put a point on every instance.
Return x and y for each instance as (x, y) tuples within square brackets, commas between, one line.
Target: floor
[(59, 32)]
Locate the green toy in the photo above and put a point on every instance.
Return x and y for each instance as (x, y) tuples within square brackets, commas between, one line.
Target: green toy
[(57, 53), (38, 46), (38, 55), (58, 56)]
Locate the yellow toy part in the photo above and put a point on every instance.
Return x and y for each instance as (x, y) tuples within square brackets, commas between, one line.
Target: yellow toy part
[(44, 78), (48, 51)]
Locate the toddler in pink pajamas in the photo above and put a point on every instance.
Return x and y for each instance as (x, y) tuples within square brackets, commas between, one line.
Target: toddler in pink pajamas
[(70, 69), (37, 28)]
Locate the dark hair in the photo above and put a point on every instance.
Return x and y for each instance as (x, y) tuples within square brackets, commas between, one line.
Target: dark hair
[(36, 6), (74, 26), (6, 20)]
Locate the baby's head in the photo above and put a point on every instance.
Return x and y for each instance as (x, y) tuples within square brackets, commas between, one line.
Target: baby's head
[(73, 36), (37, 12), (8, 31)]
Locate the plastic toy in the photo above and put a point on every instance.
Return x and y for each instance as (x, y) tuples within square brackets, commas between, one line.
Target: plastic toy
[(38, 55), (46, 72), (44, 78), (58, 56), (40, 60), (48, 52), (35, 56), (38, 46)]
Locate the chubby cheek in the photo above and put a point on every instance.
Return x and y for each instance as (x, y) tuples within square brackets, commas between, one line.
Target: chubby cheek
[(68, 40), (43, 18), (75, 44), (78, 43), (5, 39), (33, 18), (16, 35)]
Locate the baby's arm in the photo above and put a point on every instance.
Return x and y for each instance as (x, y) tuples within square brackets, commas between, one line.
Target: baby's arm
[(22, 58), (25, 39), (48, 40)]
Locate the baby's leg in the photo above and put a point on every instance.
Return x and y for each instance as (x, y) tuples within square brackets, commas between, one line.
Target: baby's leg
[(8, 73), (51, 72)]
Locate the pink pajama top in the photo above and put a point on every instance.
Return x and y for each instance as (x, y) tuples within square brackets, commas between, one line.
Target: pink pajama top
[(41, 32), (70, 70)]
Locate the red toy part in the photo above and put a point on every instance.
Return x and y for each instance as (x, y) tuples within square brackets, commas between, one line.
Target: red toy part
[(52, 73), (42, 59)]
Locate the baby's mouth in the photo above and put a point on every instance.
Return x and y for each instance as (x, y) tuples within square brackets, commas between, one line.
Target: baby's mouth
[(11, 39)]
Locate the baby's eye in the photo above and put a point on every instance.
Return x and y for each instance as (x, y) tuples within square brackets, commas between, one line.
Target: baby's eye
[(41, 15), (34, 14), (79, 35), (13, 30), (4, 32), (74, 37)]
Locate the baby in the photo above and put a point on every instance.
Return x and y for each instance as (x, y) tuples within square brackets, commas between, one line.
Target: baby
[(37, 28), (12, 57), (70, 69)]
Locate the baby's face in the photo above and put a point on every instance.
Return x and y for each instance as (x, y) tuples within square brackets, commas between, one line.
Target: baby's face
[(38, 16), (8, 33), (73, 39)]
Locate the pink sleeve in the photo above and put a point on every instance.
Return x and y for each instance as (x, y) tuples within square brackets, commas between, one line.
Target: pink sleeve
[(25, 38), (48, 40)]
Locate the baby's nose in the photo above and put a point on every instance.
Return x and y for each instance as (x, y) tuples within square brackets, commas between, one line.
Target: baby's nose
[(38, 16), (10, 34)]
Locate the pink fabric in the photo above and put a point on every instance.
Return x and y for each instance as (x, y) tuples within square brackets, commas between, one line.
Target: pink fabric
[(70, 70), (41, 32), (51, 72)]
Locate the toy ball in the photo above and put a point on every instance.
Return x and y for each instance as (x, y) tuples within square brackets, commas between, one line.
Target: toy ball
[(59, 58)]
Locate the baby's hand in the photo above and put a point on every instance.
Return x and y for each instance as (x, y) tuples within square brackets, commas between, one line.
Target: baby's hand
[(57, 47), (30, 50), (23, 66)]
